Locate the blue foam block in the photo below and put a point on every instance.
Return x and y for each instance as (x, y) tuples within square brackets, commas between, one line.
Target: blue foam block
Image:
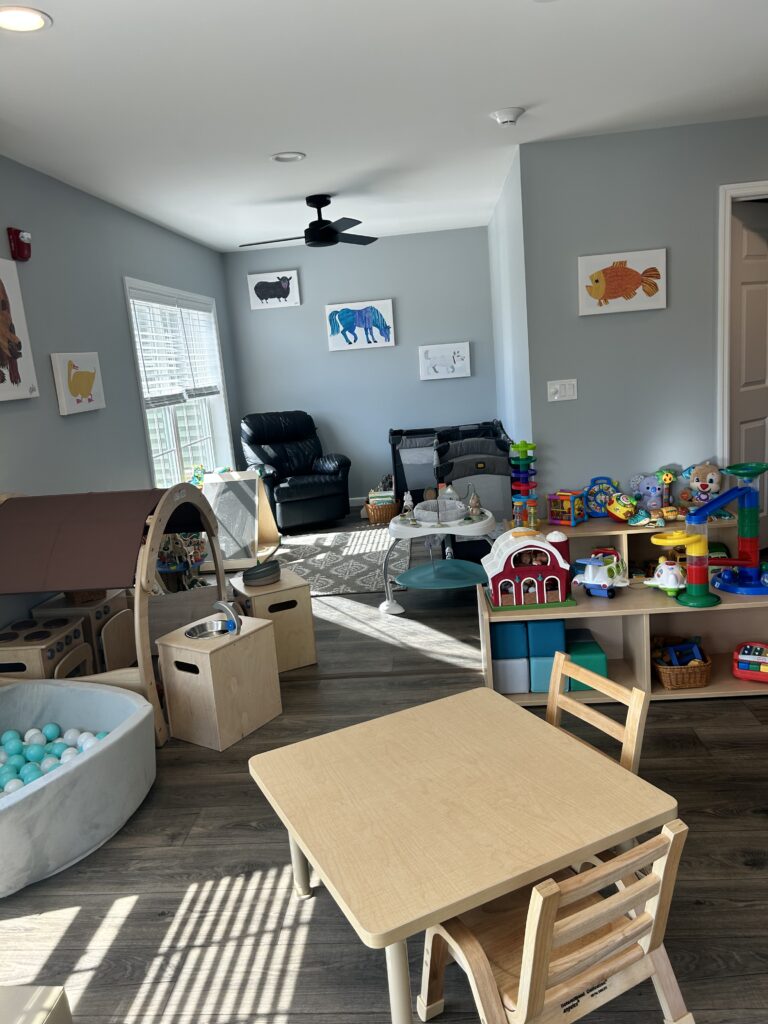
[(508, 640), (545, 637), (541, 670)]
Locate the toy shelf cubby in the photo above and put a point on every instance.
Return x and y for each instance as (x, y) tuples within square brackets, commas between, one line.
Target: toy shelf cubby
[(625, 624)]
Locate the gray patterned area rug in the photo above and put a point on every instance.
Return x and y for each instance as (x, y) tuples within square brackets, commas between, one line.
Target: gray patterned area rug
[(344, 561)]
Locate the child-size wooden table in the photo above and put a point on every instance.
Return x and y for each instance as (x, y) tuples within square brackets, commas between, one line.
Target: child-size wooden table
[(413, 818)]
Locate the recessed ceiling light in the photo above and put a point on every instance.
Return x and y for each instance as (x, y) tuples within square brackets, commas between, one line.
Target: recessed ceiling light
[(289, 156), (24, 19)]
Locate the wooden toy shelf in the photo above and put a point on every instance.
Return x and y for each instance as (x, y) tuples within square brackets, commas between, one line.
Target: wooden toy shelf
[(625, 624)]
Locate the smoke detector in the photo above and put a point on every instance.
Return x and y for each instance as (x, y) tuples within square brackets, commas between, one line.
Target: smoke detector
[(507, 115)]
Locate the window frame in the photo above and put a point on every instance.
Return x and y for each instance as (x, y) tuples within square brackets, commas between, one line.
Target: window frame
[(163, 294)]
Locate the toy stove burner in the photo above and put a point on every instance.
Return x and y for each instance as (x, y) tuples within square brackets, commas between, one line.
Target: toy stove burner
[(7, 637), (55, 623), (23, 624), (38, 634)]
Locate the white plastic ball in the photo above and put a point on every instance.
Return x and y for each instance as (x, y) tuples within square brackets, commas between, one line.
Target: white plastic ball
[(3, 756), (68, 754), (88, 742), (35, 736), (70, 737), (12, 785), (48, 764), (83, 738)]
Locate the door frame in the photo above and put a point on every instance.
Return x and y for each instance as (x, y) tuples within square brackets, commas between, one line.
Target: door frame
[(728, 195)]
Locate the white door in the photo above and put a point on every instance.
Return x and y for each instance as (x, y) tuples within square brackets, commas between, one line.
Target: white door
[(749, 342)]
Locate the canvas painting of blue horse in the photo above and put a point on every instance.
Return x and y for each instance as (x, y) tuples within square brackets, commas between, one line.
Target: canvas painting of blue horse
[(360, 325)]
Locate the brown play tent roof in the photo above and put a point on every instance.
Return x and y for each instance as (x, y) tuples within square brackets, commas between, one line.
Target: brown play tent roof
[(79, 541)]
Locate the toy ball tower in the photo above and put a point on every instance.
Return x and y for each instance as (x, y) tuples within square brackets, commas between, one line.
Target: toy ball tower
[(521, 459), (744, 574)]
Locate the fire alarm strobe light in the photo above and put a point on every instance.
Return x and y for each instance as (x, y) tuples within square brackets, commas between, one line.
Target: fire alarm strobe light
[(20, 243)]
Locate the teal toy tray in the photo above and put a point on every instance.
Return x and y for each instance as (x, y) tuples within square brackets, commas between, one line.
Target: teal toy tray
[(447, 574)]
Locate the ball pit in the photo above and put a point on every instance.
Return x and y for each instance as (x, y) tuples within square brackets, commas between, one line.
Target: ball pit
[(89, 792), (38, 750)]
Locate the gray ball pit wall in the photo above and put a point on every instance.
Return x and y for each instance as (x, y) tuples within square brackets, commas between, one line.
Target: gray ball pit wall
[(89, 798)]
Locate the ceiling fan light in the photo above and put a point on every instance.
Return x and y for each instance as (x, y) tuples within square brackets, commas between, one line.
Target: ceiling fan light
[(24, 19), (288, 156)]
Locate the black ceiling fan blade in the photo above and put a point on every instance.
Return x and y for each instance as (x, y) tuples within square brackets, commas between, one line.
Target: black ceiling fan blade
[(345, 223), (272, 241), (357, 239)]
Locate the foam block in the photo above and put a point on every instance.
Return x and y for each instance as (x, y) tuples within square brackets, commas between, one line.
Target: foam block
[(587, 653), (508, 640), (545, 637), (541, 670), (511, 676)]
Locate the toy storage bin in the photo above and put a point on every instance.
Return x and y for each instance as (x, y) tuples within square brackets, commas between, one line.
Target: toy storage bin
[(541, 670), (545, 637), (511, 675), (220, 688), (508, 640), (69, 813), (288, 605)]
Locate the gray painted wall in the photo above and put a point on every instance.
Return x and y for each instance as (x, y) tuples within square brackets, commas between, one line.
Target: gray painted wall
[(647, 380), (439, 284), (74, 301), (510, 319)]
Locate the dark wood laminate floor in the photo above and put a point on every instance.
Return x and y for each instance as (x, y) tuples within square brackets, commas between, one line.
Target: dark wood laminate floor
[(186, 916)]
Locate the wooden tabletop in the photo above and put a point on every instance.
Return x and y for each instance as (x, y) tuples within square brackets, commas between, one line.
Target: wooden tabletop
[(420, 815)]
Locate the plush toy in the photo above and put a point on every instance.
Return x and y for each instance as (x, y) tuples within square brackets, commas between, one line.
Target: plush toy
[(648, 490), (706, 480)]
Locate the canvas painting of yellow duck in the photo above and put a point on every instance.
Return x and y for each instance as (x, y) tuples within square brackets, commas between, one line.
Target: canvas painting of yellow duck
[(623, 282), (78, 381)]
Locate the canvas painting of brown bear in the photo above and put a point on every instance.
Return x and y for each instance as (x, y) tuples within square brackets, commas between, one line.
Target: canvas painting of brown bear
[(17, 370)]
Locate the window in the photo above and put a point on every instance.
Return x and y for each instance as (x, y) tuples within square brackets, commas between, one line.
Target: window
[(178, 356)]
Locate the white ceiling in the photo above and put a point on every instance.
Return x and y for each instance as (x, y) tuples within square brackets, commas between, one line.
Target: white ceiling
[(171, 108)]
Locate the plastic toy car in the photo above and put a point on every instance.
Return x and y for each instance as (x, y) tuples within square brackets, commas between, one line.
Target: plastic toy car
[(669, 577)]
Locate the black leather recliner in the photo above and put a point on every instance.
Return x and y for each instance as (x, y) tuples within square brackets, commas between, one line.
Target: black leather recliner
[(303, 485)]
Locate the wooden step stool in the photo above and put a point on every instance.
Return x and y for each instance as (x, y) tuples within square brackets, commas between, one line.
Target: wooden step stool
[(219, 689), (288, 605)]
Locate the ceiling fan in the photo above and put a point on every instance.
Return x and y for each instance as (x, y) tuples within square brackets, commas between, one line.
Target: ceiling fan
[(322, 232)]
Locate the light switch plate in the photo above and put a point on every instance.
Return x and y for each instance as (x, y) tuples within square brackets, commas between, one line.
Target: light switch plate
[(561, 391)]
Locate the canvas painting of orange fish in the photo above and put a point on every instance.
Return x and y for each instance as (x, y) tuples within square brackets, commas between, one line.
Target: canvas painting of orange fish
[(623, 282)]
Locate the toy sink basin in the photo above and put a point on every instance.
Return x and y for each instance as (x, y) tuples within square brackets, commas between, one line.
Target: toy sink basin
[(205, 630), (67, 814)]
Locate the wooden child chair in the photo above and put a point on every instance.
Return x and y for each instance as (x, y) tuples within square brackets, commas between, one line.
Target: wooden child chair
[(561, 949), (630, 735)]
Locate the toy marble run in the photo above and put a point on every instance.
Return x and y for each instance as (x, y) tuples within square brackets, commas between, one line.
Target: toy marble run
[(741, 575)]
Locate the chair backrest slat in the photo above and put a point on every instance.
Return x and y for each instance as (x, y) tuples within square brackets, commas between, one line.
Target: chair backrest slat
[(600, 914), (566, 967), (630, 734), (594, 879)]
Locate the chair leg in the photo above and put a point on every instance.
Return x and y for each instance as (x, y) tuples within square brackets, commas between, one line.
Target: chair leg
[(430, 1002), (668, 990)]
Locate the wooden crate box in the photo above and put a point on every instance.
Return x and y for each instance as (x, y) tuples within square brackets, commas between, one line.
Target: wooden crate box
[(288, 605), (219, 689)]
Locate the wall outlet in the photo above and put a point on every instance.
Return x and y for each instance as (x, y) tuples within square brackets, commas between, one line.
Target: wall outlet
[(561, 391)]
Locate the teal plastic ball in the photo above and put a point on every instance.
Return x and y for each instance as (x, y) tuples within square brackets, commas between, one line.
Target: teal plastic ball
[(13, 745), (10, 734), (29, 773), (6, 772), (16, 761), (58, 748), (102, 735), (51, 731), (35, 752)]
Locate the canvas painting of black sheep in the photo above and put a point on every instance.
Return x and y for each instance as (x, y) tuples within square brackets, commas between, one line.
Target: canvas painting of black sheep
[(275, 290)]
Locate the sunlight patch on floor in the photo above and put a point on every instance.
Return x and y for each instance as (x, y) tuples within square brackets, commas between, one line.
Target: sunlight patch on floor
[(233, 947), (397, 630), (87, 966)]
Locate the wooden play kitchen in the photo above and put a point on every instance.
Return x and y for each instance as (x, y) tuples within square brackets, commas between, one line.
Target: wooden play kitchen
[(625, 626), (288, 605), (220, 683)]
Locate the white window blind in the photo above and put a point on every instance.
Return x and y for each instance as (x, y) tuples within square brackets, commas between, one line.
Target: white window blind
[(179, 365)]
